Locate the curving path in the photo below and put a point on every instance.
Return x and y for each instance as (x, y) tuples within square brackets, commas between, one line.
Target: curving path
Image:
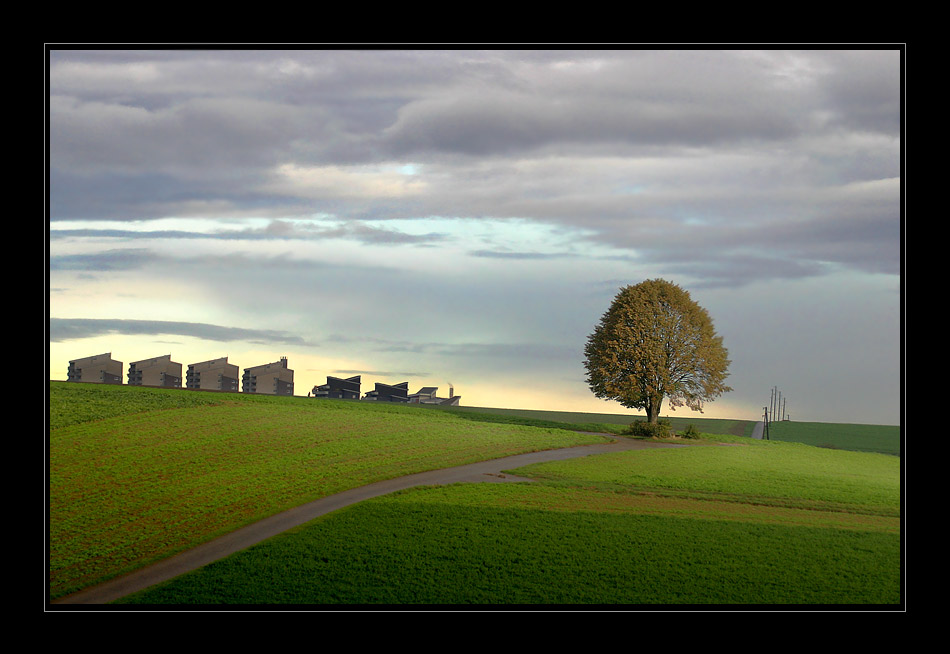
[(485, 471)]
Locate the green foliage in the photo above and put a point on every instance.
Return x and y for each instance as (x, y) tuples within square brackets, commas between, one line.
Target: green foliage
[(690, 432), (656, 343), (643, 429)]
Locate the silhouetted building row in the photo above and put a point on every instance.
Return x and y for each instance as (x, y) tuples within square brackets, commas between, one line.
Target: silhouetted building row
[(349, 389), (268, 379), (216, 375)]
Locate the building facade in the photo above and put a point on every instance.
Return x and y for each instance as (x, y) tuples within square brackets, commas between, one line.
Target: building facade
[(98, 369), (339, 389), (269, 379), (389, 393), (157, 371), (430, 395), (213, 375)]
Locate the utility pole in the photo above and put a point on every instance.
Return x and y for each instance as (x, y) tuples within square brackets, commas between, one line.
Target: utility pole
[(772, 401), (777, 405)]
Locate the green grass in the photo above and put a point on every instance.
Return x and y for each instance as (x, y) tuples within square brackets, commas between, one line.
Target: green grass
[(860, 438), (138, 474), (757, 523), (599, 422)]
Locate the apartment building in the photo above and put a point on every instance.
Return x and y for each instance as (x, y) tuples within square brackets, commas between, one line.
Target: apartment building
[(213, 375), (157, 371), (98, 369), (269, 379)]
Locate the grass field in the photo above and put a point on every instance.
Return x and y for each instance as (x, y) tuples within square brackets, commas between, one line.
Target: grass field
[(759, 523), (860, 438), (139, 474), (603, 422)]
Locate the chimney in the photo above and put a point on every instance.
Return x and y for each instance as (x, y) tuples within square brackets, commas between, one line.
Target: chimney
[(283, 362), (451, 391)]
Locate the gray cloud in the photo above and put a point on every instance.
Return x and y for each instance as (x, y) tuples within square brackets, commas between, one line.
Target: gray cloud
[(66, 329), (504, 254), (382, 373), (105, 261), (626, 145), (537, 174), (276, 230)]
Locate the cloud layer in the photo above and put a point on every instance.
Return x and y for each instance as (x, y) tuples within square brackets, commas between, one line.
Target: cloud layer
[(498, 196)]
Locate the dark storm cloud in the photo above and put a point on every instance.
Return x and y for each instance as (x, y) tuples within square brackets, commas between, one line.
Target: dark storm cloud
[(65, 329)]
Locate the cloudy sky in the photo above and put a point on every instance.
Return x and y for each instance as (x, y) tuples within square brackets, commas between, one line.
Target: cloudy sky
[(466, 217)]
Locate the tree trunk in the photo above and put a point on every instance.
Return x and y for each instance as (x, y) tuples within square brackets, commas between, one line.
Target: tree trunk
[(653, 410)]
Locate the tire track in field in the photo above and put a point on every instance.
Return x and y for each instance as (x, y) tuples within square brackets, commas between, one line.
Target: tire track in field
[(484, 471)]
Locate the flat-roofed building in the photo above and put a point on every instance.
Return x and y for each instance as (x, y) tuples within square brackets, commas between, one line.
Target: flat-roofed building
[(429, 395), (339, 389), (269, 379), (389, 393), (157, 371), (98, 369), (213, 375)]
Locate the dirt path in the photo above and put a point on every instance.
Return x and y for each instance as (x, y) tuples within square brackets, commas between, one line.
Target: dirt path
[(485, 471)]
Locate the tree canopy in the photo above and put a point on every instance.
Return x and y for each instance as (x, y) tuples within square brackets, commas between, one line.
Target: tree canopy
[(655, 342)]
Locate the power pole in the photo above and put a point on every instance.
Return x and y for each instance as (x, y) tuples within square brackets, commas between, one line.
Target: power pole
[(777, 405), (772, 401)]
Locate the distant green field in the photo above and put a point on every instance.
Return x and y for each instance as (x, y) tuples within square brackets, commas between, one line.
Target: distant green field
[(606, 422), (138, 474), (860, 438), (755, 523)]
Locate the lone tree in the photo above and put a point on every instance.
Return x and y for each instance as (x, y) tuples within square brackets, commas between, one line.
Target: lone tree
[(655, 342)]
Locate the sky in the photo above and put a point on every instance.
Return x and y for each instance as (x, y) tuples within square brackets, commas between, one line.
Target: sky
[(465, 217)]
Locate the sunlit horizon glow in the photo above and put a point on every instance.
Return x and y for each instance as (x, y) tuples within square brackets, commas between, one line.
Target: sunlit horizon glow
[(466, 217)]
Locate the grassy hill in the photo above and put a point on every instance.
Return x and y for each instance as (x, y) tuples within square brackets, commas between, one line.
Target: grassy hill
[(756, 523), (139, 474)]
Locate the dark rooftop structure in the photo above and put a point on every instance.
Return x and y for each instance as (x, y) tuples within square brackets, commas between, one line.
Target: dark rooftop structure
[(389, 393), (339, 389)]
